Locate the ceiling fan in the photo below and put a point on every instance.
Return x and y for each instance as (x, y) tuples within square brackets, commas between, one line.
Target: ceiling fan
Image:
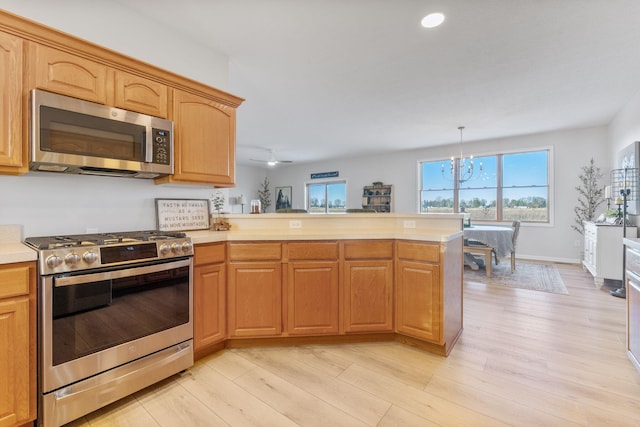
[(272, 161)]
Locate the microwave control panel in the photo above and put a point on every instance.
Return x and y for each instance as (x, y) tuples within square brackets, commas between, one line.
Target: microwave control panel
[(161, 146)]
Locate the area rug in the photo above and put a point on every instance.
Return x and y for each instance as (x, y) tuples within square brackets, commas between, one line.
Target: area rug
[(528, 275)]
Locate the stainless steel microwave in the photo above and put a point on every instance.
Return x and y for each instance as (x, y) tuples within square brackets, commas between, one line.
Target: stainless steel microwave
[(74, 136)]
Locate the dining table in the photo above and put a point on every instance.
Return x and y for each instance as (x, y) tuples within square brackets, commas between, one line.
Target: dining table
[(498, 237)]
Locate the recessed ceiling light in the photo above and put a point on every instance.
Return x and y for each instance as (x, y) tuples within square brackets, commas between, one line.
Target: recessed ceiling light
[(432, 20)]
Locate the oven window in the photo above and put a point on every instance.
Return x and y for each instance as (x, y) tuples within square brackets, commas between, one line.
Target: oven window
[(84, 135), (137, 306)]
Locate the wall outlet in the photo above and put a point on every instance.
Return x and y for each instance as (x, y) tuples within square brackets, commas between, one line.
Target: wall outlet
[(295, 223), (409, 223)]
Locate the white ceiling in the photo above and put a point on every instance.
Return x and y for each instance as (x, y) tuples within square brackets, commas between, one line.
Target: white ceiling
[(332, 78)]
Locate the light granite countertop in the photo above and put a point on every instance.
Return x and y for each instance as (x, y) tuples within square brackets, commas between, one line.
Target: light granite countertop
[(11, 247)]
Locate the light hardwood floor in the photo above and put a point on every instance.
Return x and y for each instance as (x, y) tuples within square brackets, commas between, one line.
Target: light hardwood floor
[(525, 358)]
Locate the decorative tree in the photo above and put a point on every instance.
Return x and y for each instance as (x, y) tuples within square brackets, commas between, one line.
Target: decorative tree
[(590, 195), (264, 194), (218, 201)]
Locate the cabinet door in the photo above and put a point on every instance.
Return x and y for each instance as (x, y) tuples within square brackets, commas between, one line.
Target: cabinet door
[(312, 298), (204, 140), (61, 72), (139, 94), (13, 153), (14, 361), (418, 300), (209, 305), (255, 299), (368, 287)]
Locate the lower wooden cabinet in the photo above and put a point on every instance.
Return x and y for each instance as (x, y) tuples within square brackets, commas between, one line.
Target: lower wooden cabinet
[(417, 300), (368, 286), (368, 296), (405, 290), (418, 290), (255, 299), (209, 296), (17, 344), (312, 298)]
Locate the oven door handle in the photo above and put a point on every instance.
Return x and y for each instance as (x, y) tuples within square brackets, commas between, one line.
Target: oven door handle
[(117, 274)]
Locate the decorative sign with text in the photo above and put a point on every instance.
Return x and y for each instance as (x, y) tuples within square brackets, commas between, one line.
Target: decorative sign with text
[(324, 175), (182, 214)]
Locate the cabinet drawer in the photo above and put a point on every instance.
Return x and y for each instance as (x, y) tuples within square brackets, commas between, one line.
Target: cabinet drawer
[(209, 253), (255, 251), (14, 281), (368, 249), (633, 261), (419, 251), (312, 250)]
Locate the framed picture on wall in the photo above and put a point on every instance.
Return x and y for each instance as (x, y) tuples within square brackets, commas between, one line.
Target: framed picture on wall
[(283, 198)]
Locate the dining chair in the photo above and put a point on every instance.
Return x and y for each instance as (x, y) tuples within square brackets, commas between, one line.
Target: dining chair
[(488, 252), (516, 230)]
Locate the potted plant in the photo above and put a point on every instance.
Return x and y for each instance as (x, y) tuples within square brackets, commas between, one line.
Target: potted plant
[(264, 194), (590, 195)]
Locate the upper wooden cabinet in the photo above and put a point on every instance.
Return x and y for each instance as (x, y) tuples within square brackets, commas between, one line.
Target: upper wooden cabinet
[(204, 139), (13, 155), (33, 56), (67, 74), (61, 72), (136, 93)]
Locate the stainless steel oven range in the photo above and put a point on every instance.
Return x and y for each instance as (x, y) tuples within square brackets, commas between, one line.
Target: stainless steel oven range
[(115, 314)]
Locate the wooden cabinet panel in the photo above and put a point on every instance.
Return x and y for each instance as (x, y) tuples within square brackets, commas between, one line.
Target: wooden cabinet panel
[(204, 140), (312, 250), (418, 251), (14, 280), (14, 360), (209, 305), (17, 346), (312, 298), (255, 299), (368, 296), (418, 300), (61, 72), (368, 249), (255, 251), (13, 151), (209, 253), (139, 94)]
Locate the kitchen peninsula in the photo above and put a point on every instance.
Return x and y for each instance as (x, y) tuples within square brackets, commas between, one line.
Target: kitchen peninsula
[(300, 278)]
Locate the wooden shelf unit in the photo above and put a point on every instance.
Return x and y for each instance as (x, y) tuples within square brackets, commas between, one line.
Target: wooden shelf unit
[(378, 197)]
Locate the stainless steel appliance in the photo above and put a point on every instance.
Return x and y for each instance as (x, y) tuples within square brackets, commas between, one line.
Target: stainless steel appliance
[(115, 314), (74, 136)]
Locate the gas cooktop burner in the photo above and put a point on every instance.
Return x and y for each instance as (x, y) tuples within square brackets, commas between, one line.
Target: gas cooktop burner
[(63, 254), (100, 239)]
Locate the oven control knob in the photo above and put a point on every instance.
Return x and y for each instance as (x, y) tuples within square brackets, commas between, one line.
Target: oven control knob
[(72, 259), (164, 249), (53, 261), (187, 247), (176, 248), (90, 257)]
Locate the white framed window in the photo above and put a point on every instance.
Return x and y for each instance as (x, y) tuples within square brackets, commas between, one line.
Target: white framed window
[(510, 186), (326, 197)]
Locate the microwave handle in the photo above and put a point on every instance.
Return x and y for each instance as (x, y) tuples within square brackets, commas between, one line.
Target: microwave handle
[(147, 141)]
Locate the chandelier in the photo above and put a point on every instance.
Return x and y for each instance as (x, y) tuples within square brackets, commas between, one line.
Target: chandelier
[(465, 170)]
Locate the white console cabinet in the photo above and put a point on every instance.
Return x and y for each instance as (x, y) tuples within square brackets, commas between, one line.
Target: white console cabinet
[(603, 249)]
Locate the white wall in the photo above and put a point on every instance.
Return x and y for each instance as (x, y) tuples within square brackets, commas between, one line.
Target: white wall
[(556, 241)]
